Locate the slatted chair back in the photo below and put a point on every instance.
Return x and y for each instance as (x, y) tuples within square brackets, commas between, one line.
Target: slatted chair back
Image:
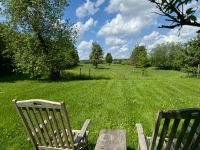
[(177, 129), (46, 123)]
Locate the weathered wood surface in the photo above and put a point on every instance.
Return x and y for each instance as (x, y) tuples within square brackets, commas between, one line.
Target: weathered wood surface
[(48, 126), (111, 140), (142, 139), (179, 130)]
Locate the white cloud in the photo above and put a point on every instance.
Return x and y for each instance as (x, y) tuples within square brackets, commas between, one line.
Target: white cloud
[(151, 36), (132, 16), (120, 27), (84, 49), (99, 3), (83, 27), (119, 51), (124, 48), (185, 34), (114, 41), (131, 8), (88, 8), (84, 45)]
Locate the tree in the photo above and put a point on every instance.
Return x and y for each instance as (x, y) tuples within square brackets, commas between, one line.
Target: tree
[(109, 58), (167, 56), (191, 57), (6, 63), (176, 13), (44, 42), (139, 57), (96, 54)]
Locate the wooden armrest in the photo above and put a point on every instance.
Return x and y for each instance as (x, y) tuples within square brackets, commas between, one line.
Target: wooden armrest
[(141, 138), (83, 131), (84, 127)]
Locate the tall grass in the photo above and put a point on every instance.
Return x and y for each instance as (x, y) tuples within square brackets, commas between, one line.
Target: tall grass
[(115, 97)]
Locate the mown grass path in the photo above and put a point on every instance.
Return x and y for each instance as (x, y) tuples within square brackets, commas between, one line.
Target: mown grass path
[(117, 97)]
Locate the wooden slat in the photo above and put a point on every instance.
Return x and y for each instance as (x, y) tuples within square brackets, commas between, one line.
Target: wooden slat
[(63, 129), (194, 137), (51, 126), (66, 119), (174, 143), (172, 133), (50, 148), (28, 130), (38, 126), (142, 141), (196, 143), (33, 119), (84, 128), (31, 125), (57, 128), (163, 134), (156, 130), (182, 133), (82, 134), (38, 103), (44, 126), (192, 113), (191, 134)]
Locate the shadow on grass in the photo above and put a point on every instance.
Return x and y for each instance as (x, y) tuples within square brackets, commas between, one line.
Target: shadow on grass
[(14, 78), (102, 68), (66, 76), (92, 146)]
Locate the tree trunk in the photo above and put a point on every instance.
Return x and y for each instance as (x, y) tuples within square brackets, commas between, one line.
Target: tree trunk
[(96, 65), (55, 75), (143, 72)]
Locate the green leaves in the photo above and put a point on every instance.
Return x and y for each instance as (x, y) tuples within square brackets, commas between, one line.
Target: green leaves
[(167, 56), (192, 18), (108, 58), (189, 11), (191, 58), (139, 57), (175, 13), (96, 54), (43, 42)]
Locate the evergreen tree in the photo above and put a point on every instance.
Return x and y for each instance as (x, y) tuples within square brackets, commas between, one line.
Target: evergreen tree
[(96, 54), (109, 58), (139, 57)]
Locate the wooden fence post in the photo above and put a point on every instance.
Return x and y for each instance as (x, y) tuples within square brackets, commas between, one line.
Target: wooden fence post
[(89, 73), (80, 74)]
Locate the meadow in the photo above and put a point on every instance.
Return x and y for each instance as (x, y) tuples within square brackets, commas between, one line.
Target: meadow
[(114, 97)]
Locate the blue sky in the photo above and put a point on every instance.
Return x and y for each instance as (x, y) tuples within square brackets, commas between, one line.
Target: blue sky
[(119, 25)]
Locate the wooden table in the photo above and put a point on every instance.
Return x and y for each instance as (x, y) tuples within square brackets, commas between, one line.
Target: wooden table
[(111, 140)]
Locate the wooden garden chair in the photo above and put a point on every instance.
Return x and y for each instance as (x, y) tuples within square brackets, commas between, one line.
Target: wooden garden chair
[(48, 126), (174, 130)]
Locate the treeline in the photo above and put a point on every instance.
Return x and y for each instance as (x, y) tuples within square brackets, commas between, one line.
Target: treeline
[(36, 40), (175, 56)]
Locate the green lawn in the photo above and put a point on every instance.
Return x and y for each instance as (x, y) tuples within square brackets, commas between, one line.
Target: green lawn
[(116, 97)]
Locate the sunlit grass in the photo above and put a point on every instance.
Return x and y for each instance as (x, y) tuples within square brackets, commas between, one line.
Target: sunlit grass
[(115, 96)]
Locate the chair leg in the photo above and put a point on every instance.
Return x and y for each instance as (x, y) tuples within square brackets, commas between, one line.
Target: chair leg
[(86, 142)]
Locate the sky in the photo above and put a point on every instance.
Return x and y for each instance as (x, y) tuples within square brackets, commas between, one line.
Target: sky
[(119, 25)]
